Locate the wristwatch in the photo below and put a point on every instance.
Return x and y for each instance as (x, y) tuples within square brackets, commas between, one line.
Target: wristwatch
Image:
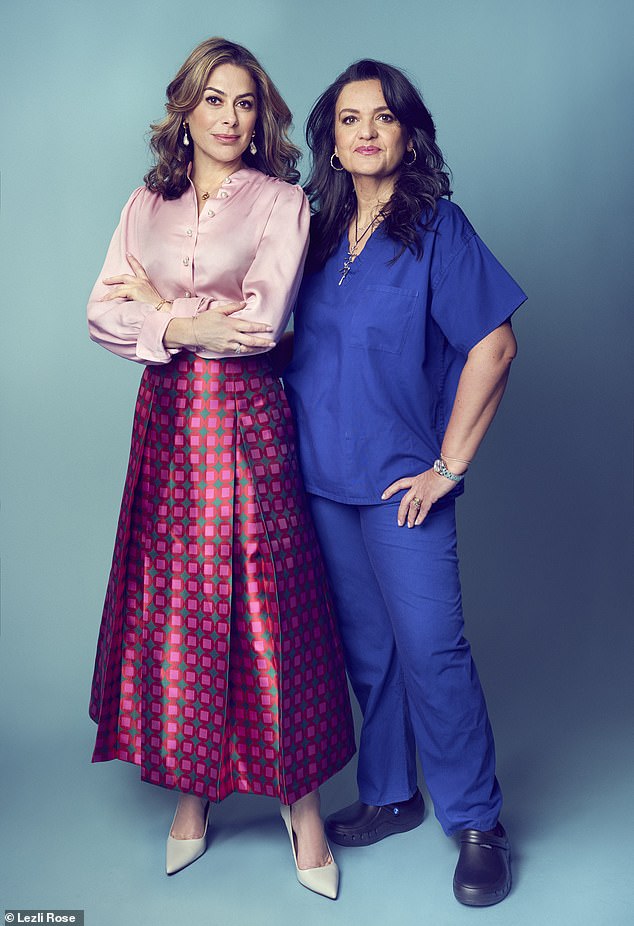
[(441, 469)]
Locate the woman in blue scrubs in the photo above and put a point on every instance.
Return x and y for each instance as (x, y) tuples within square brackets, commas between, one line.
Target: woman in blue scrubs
[(403, 345)]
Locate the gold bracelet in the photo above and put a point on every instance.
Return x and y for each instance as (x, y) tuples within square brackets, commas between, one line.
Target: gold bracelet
[(195, 344), (455, 459), (161, 304)]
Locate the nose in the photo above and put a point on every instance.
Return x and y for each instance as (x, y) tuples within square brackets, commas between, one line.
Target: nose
[(230, 116), (367, 129)]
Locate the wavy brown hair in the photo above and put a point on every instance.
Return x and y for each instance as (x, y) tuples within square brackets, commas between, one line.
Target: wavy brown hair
[(419, 185), (276, 156)]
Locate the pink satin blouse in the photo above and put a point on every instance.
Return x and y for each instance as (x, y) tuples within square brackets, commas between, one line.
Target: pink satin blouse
[(248, 244)]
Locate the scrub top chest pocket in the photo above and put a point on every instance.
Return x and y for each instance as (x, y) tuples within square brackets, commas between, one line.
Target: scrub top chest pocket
[(382, 318)]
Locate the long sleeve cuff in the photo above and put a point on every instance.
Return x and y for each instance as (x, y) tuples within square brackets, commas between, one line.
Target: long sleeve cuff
[(189, 307), (149, 346)]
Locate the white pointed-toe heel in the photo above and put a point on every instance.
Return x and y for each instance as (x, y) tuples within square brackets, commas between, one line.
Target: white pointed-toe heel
[(179, 853), (324, 880)]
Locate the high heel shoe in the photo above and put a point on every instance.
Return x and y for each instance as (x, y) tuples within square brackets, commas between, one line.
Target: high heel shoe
[(182, 852), (323, 880)]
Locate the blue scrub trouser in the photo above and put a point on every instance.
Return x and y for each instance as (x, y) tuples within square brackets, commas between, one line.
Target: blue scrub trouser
[(397, 594)]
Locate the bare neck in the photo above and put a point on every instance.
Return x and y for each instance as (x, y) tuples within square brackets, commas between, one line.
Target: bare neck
[(373, 194), (208, 175)]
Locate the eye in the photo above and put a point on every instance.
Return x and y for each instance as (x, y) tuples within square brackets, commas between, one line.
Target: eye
[(245, 104), (348, 120), (212, 99), (386, 117)]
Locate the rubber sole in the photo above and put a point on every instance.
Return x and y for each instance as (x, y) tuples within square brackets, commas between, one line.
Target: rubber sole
[(370, 837), (474, 897)]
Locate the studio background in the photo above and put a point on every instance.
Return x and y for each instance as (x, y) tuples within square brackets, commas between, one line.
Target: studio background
[(533, 110)]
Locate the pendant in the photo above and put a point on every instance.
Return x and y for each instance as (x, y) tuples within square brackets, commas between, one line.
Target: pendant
[(345, 270), (204, 196)]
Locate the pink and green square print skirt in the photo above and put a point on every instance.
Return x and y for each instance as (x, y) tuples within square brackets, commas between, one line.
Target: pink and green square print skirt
[(219, 666)]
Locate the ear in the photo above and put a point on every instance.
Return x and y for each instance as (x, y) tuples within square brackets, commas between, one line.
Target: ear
[(336, 152), (410, 145)]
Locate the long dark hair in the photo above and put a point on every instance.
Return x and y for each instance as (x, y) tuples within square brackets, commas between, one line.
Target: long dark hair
[(276, 155), (418, 186)]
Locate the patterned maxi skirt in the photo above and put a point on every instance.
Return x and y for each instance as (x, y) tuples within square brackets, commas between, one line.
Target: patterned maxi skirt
[(219, 667)]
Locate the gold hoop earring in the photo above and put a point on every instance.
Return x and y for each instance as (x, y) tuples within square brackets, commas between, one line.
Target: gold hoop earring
[(332, 156), (409, 163)]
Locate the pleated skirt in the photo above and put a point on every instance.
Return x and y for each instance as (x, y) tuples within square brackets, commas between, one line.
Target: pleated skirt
[(219, 666)]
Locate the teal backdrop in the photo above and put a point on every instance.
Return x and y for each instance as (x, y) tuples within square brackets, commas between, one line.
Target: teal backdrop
[(533, 108)]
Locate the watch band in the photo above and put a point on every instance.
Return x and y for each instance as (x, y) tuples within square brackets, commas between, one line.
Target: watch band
[(441, 469)]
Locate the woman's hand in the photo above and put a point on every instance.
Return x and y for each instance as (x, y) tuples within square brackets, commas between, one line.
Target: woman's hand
[(218, 331), (135, 285), (214, 330), (423, 491)]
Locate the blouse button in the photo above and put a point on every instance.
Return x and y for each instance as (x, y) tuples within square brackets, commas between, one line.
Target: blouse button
[(223, 194), (185, 261), (187, 294), (189, 232), (211, 213), (227, 180)]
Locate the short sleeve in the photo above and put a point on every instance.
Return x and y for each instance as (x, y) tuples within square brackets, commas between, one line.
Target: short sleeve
[(473, 294)]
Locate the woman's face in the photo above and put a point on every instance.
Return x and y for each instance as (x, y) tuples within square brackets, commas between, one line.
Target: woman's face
[(222, 124), (369, 139)]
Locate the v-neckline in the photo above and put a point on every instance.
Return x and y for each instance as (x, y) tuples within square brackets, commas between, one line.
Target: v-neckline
[(343, 251)]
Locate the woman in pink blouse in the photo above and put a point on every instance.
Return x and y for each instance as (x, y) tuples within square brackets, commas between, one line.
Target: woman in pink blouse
[(218, 666)]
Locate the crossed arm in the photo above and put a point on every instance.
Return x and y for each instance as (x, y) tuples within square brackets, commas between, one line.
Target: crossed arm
[(214, 330)]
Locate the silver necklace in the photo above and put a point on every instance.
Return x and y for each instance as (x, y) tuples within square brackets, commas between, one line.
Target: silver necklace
[(347, 264)]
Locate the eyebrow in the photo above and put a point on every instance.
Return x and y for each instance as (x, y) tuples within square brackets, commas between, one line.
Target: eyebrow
[(224, 93), (377, 109)]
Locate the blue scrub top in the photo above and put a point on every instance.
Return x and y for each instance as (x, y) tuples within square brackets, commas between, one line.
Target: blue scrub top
[(377, 359)]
